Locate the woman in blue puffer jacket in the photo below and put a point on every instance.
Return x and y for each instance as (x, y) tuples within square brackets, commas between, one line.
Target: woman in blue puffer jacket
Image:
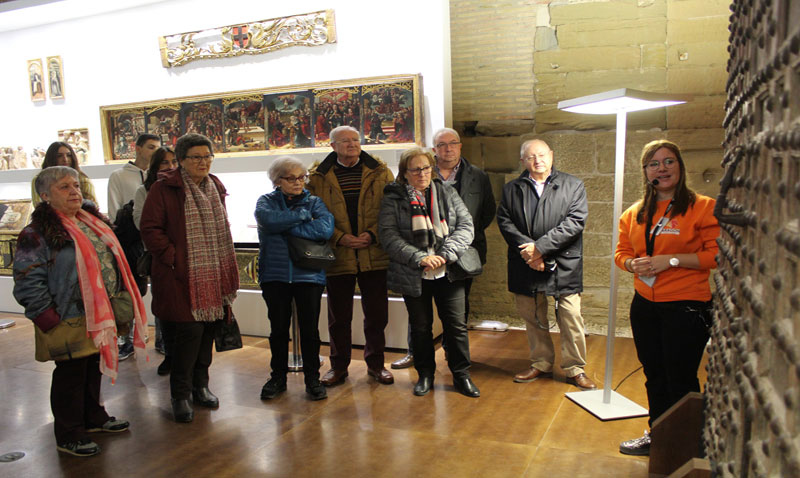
[(291, 210)]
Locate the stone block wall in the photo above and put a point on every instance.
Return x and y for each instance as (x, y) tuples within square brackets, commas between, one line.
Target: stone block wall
[(513, 61)]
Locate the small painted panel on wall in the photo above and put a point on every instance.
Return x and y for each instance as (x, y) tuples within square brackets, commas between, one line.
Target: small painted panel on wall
[(388, 113), (36, 80), (55, 77), (14, 215), (244, 123), (78, 138), (253, 38), (386, 110), (164, 121), (204, 117), (126, 125), (289, 120), (334, 107)]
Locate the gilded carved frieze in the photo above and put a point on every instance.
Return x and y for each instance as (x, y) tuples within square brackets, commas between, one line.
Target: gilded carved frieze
[(255, 38)]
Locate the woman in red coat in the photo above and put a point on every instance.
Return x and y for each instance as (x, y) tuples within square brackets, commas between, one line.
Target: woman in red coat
[(194, 275)]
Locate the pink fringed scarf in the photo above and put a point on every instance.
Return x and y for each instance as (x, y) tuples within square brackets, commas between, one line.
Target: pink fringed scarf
[(100, 323)]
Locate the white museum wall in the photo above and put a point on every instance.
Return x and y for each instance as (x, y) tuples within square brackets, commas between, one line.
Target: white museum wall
[(113, 58)]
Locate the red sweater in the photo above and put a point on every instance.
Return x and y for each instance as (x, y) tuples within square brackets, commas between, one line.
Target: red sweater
[(695, 231)]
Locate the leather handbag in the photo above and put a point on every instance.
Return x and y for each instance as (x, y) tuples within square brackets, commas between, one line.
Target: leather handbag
[(227, 336), (122, 305), (144, 263), (308, 254), (469, 263)]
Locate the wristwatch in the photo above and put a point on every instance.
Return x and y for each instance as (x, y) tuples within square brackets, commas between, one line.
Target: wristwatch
[(674, 262)]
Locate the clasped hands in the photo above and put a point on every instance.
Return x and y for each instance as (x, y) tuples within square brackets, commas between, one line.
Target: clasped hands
[(356, 242), (532, 256), (647, 266), (432, 262)]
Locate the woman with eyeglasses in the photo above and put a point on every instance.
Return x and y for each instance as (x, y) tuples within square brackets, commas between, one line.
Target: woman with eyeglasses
[(667, 240), (424, 228), (194, 275), (290, 210)]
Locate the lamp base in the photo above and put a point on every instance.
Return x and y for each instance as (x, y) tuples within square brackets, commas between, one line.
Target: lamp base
[(618, 407), (490, 325)]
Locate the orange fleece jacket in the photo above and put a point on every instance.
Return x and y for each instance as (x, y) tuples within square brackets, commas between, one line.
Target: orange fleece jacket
[(694, 232)]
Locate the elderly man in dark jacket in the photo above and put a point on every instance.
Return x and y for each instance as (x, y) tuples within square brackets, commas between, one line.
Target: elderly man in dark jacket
[(542, 215)]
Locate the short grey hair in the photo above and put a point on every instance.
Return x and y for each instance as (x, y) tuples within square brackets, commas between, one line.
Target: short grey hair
[(335, 132), (524, 147), (443, 131), (49, 176), (283, 165)]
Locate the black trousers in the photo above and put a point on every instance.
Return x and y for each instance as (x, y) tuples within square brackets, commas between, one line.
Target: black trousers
[(307, 297), (191, 355), (670, 338), (449, 297), (467, 288), (75, 398)]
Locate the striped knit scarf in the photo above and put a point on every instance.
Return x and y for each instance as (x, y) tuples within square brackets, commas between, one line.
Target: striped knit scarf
[(213, 275), (428, 225), (100, 323)]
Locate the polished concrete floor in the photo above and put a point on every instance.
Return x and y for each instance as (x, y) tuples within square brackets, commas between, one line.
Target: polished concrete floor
[(363, 429)]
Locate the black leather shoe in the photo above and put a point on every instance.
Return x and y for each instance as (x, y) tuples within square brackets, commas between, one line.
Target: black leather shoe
[(165, 366), (182, 410), (464, 386), (273, 388), (316, 391), (423, 385), (204, 398)]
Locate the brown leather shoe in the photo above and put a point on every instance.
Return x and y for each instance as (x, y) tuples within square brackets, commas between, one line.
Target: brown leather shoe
[(381, 376), (582, 381), (404, 362), (333, 377), (531, 374)]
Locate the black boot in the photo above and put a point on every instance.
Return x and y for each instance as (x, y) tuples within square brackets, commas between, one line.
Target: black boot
[(182, 410), (204, 398)]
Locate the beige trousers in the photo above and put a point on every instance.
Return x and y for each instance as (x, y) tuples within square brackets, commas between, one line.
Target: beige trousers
[(537, 326)]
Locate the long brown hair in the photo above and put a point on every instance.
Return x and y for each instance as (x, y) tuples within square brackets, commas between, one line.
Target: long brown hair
[(51, 156), (684, 196), (155, 164)]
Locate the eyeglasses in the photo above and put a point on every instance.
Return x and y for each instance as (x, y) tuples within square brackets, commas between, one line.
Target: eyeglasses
[(451, 144), (198, 159), (420, 171), (668, 163), (346, 141), (295, 179), (531, 157)]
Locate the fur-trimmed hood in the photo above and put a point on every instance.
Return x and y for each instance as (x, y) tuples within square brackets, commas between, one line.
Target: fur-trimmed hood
[(45, 223)]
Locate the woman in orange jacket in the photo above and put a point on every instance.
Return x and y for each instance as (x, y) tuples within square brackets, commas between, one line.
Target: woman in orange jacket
[(668, 241)]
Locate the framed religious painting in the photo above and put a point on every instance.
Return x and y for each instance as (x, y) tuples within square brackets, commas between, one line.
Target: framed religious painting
[(125, 126), (244, 123), (165, 122), (335, 107), (14, 215), (388, 113), (387, 110), (55, 77), (204, 117), (289, 120), (36, 80)]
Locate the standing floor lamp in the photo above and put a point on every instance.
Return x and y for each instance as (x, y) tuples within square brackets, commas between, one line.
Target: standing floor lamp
[(607, 404)]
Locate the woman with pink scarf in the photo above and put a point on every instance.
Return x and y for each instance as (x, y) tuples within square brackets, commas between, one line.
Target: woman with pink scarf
[(67, 268)]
